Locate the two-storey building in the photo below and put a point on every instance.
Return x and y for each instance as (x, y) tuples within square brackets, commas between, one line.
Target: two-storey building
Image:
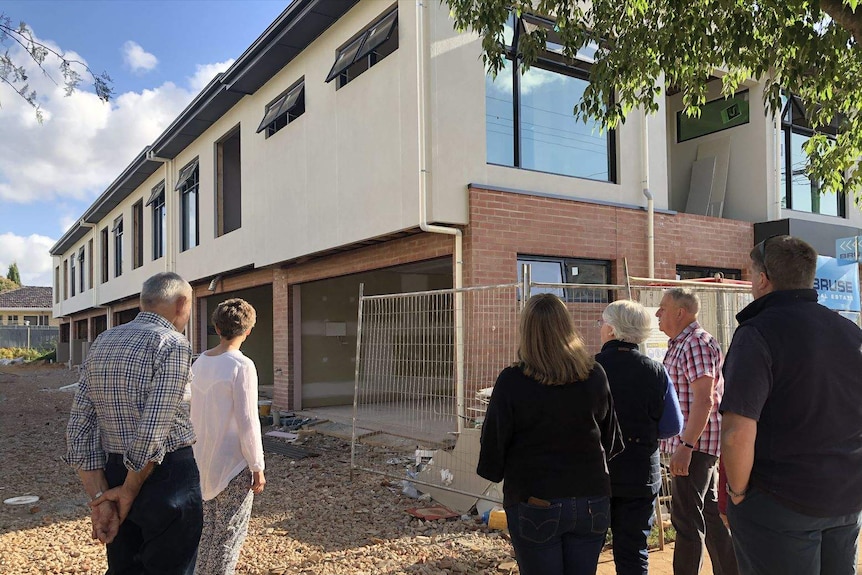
[(361, 141)]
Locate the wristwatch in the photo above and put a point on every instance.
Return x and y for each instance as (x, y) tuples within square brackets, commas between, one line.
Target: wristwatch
[(685, 443)]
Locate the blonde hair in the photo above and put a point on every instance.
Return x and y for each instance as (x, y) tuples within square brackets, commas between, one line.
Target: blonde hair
[(630, 320), (550, 349), (233, 317)]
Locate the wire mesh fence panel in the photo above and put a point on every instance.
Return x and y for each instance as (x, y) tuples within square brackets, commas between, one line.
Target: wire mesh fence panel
[(423, 360), (427, 362), (719, 304)]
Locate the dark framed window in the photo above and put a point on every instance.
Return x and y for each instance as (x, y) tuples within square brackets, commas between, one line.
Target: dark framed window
[(529, 122), (65, 279), (554, 270), (799, 191), (157, 200), (104, 242), (117, 230), (187, 185), (81, 270), (72, 274), (90, 262), (715, 116), (138, 234), (372, 45), (283, 110), (57, 284), (695, 272)]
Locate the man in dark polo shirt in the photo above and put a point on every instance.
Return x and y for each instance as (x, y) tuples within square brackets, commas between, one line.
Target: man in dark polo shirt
[(791, 436)]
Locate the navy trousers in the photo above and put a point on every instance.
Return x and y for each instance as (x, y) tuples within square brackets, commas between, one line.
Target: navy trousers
[(631, 522), (563, 539), (772, 539), (161, 534)]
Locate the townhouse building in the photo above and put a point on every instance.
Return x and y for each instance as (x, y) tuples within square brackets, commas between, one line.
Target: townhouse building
[(362, 141)]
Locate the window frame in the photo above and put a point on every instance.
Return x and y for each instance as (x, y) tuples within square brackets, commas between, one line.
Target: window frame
[(81, 282), (353, 53), (105, 241), (284, 109), (189, 173), (159, 213), (72, 279), (555, 62), (138, 234), (571, 295), (790, 126), (117, 230)]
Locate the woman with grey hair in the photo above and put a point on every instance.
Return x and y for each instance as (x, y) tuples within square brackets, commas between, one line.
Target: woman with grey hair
[(648, 410)]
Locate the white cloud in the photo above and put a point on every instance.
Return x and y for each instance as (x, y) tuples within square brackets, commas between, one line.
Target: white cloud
[(84, 143), (31, 255), (138, 59), (206, 72)]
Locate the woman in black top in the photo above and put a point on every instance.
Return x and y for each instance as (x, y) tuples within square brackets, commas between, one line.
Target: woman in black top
[(548, 431), (648, 410)]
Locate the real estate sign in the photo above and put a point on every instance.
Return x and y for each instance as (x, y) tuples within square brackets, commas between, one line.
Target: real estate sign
[(848, 250), (837, 285)]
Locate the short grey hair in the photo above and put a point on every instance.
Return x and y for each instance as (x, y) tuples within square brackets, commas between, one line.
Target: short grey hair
[(685, 298), (630, 320), (162, 288)]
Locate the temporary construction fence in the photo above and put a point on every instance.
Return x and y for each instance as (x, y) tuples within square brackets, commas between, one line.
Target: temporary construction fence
[(427, 361)]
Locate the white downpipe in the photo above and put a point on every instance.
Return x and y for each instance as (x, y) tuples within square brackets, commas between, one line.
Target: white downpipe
[(650, 237), (422, 84), (170, 209)]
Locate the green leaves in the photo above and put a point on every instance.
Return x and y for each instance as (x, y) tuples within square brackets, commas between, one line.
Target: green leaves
[(807, 47)]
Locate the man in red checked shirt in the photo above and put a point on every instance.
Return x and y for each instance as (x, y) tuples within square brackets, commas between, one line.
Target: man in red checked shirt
[(693, 361)]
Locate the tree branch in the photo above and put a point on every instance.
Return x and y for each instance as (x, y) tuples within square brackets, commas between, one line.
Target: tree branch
[(844, 16)]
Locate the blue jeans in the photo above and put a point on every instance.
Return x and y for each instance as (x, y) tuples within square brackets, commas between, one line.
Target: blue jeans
[(772, 539), (161, 534), (631, 521), (563, 539)]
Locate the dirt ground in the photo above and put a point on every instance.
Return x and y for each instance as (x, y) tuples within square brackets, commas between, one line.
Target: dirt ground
[(310, 518)]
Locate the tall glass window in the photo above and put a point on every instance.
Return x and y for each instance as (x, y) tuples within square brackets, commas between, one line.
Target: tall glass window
[(798, 191), (529, 119)]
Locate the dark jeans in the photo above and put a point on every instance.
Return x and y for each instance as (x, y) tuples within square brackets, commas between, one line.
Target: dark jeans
[(161, 534), (563, 539), (772, 539), (631, 521), (694, 514)]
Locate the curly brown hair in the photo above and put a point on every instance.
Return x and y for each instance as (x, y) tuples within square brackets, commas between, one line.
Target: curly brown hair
[(233, 317)]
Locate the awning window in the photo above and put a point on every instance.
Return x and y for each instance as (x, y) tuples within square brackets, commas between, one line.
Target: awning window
[(186, 173), (157, 191), (285, 104)]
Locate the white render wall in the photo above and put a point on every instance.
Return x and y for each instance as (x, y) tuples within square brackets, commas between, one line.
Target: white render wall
[(348, 168), (459, 148)]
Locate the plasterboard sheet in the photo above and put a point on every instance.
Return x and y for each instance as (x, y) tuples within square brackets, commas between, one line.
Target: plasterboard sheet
[(461, 464), (700, 188), (720, 150)]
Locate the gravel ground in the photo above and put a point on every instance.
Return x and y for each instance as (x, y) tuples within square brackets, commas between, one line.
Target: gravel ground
[(311, 519)]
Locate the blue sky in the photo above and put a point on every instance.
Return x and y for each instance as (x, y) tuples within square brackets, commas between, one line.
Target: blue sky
[(159, 55)]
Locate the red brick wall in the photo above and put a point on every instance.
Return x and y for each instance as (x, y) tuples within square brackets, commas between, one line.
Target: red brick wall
[(502, 225)]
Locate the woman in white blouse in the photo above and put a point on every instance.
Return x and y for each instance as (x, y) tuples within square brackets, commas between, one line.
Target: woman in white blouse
[(228, 451)]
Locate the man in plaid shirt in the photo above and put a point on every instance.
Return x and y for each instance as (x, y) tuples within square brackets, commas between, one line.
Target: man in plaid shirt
[(693, 361), (130, 436)]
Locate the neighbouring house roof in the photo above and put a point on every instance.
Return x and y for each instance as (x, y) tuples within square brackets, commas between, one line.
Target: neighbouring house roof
[(26, 297), (297, 27)]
